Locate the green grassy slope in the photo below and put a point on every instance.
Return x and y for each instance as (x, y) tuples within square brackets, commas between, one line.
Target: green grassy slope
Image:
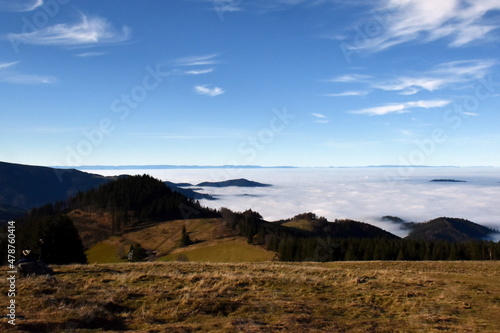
[(228, 250)]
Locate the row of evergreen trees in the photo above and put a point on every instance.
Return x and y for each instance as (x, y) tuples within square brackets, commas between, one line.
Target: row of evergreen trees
[(330, 249), (300, 245)]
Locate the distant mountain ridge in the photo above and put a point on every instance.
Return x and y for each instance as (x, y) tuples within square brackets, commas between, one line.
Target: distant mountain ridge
[(449, 229), (241, 182), (169, 166), (26, 186), (190, 193), (446, 180)]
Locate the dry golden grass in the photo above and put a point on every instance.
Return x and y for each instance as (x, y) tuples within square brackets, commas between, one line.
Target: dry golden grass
[(163, 238), (262, 297), (300, 224)]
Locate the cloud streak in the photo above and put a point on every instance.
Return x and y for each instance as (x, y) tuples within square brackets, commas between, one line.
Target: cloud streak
[(20, 5), (461, 21), (90, 54), (442, 76), (88, 32), (401, 107), (28, 79), (199, 71), (205, 90), (8, 75), (451, 74), (201, 60), (198, 64), (8, 64), (320, 118), (348, 93), (351, 78)]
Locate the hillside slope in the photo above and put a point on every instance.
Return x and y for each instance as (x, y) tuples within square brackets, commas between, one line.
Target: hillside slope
[(8, 212), (129, 204), (27, 186), (213, 241), (343, 228)]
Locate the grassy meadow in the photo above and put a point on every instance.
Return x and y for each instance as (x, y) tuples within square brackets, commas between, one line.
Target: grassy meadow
[(261, 297)]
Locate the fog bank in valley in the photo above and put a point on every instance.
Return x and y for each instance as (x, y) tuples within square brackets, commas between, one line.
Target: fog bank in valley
[(364, 194)]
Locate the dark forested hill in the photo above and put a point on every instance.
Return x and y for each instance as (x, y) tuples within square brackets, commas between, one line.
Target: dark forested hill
[(449, 229), (126, 203), (8, 212), (188, 192), (340, 228), (144, 197), (242, 182), (25, 186)]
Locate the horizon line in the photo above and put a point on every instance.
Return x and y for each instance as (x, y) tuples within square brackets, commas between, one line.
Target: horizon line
[(226, 166)]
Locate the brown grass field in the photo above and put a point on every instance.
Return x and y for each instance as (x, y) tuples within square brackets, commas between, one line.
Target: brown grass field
[(260, 297)]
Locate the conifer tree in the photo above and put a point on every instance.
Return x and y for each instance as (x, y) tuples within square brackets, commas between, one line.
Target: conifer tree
[(185, 239), (62, 244)]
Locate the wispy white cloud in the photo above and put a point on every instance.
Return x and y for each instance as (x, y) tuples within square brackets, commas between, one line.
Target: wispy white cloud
[(440, 77), (11, 76), (350, 78), (283, 5), (27, 79), (462, 21), (196, 65), (90, 54), (401, 107), (199, 71), (320, 118), (348, 93), (19, 5), (212, 92), (227, 5), (201, 60), (444, 75), (8, 64), (89, 31)]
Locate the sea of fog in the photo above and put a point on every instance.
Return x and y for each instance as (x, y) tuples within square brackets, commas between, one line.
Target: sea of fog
[(363, 194)]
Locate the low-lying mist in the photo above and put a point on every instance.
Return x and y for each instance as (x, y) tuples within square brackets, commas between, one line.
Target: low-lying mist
[(363, 194)]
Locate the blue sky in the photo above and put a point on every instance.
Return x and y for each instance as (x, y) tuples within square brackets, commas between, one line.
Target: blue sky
[(216, 82)]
